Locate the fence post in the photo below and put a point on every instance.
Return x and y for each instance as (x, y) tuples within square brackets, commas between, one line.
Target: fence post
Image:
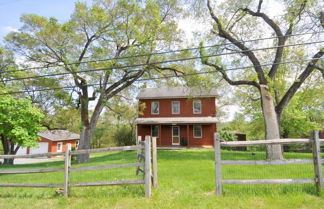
[(147, 167), (67, 164), (139, 151), (154, 163), (218, 171), (316, 148)]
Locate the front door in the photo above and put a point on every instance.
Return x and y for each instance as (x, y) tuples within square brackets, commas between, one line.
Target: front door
[(175, 135)]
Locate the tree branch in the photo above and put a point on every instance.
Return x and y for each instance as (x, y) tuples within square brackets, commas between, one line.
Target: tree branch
[(167, 69), (230, 81), (281, 38), (322, 18), (246, 51), (295, 86), (260, 5), (85, 48)]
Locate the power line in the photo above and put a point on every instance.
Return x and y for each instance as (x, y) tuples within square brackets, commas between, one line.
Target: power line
[(160, 78), (160, 62), (163, 52)]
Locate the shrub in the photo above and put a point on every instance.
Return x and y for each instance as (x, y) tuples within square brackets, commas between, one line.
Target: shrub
[(227, 136), (73, 157), (124, 136)]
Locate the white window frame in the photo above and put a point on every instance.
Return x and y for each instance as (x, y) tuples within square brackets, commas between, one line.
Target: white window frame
[(193, 106), (158, 134), (59, 150), (158, 103), (175, 102), (193, 130)]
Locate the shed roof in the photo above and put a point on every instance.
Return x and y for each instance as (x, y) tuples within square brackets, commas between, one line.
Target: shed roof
[(176, 120), (58, 135), (176, 92)]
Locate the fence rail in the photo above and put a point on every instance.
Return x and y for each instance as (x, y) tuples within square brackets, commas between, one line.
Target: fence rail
[(317, 161), (268, 142), (146, 153), (267, 162)]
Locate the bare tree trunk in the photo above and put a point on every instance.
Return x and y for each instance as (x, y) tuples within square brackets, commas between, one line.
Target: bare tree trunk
[(85, 141), (274, 152), (88, 130)]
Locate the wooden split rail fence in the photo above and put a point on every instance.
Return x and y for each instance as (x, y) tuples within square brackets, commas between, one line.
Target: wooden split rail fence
[(317, 161), (148, 161)]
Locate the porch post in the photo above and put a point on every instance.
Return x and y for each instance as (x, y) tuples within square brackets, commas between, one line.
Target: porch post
[(160, 135), (188, 135), (136, 133)]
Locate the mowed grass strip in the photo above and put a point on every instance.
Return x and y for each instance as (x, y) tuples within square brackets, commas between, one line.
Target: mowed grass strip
[(186, 180)]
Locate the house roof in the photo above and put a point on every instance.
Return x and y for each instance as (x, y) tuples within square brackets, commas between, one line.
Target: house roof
[(58, 135), (175, 120), (176, 92)]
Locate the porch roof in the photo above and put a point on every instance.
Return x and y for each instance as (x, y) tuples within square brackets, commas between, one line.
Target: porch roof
[(175, 120)]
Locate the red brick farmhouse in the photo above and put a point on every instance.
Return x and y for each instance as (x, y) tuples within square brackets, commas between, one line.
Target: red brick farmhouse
[(177, 116), (52, 141)]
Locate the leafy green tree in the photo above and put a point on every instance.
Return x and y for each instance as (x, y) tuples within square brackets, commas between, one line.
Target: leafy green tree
[(47, 101), (108, 29), (66, 119), (6, 64), (233, 21), (304, 112), (19, 124)]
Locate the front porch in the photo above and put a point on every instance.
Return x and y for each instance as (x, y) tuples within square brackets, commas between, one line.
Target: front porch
[(179, 135)]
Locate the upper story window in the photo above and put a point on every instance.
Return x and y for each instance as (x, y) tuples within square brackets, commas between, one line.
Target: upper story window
[(155, 106), (175, 107), (196, 106)]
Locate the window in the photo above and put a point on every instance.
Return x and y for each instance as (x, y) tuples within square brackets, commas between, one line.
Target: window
[(155, 108), (175, 107), (196, 106), (59, 146), (155, 131), (197, 131)]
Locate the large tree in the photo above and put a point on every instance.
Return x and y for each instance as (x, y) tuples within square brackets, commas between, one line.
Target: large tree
[(233, 21), (108, 29)]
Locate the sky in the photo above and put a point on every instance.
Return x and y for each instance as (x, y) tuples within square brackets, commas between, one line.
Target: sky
[(11, 10)]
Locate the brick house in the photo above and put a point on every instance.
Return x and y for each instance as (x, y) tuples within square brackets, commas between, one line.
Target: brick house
[(177, 116), (52, 141)]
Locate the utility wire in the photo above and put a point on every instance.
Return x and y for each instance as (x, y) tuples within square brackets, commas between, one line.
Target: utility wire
[(160, 78), (160, 53), (161, 62)]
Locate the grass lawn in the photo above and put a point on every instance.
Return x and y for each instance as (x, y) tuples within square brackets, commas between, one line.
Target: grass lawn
[(186, 180)]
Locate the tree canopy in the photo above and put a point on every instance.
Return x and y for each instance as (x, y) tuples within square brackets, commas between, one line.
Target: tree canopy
[(19, 124)]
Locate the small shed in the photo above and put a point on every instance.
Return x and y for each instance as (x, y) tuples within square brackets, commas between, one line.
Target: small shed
[(52, 141)]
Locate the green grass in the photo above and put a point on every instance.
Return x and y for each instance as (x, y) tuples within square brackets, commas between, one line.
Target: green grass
[(186, 180)]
